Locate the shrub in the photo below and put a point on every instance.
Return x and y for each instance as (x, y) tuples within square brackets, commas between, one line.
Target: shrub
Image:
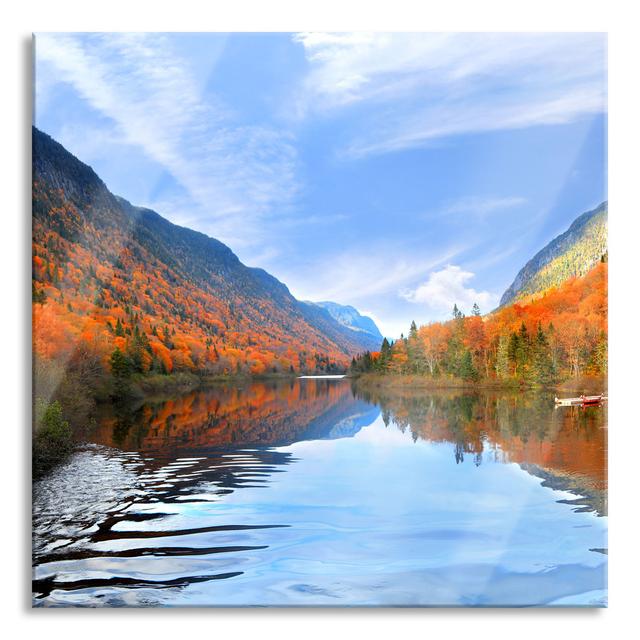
[(53, 438)]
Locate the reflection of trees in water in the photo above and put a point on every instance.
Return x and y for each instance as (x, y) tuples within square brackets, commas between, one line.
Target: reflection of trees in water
[(485, 426), (525, 417), (265, 413), (461, 423), (498, 425), (127, 423)]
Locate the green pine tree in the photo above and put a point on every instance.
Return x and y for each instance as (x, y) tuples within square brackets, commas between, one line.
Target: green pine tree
[(467, 370), (542, 367), (121, 372), (385, 355), (416, 360)]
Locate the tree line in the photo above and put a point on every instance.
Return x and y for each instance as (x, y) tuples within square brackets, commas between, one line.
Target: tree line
[(540, 341)]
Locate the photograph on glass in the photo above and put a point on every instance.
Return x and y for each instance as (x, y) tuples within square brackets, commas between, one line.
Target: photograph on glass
[(319, 319)]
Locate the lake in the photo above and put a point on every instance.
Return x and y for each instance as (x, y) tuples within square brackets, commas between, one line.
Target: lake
[(320, 492)]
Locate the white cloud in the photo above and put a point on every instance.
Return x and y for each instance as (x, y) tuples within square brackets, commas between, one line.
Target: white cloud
[(233, 174), (444, 84), (447, 287)]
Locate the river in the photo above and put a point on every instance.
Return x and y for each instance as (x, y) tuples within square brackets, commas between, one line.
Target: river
[(318, 492)]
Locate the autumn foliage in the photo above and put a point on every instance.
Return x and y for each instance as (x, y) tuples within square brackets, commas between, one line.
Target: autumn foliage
[(97, 289), (541, 339)]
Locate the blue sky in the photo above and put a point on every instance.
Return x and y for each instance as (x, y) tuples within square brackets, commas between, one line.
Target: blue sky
[(399, 173)]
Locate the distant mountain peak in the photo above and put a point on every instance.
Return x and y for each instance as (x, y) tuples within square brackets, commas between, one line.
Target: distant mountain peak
[(351, 318), (572, 253)]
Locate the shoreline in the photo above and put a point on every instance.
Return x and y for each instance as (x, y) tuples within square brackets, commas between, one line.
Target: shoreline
[(585, 384), (149, 387), (144, 387)]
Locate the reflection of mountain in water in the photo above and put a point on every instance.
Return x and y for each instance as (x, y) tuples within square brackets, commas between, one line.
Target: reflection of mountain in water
[(193, 501), (350, 426), (259, 414), (565, 447), (121, 513), (588, 496)]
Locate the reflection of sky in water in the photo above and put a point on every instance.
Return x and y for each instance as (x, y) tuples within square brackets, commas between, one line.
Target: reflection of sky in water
[(381, 519), (371, 519)]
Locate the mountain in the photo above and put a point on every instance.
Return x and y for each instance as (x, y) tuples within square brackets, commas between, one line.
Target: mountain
[(572, 253), (351, 319), (117, 275)]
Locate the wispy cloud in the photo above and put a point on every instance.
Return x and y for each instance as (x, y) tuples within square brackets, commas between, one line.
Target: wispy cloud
[(354, 277), (478, 207), (447, 287), (233, 174), (449, 84), (313, 219)]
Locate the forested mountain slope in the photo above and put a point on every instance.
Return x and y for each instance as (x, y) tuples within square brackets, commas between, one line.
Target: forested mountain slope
[(109, 275), (573, 253)]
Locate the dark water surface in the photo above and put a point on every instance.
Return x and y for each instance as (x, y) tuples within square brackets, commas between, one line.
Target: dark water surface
[(315, 492)]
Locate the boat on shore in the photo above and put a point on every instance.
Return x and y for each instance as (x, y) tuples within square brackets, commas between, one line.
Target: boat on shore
[(581, 400)]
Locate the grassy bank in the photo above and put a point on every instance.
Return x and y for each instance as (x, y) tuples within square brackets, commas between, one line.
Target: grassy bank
[(150, 385), (394, 381), (588, 385), (585, 384), (246, 378), (145, 386)]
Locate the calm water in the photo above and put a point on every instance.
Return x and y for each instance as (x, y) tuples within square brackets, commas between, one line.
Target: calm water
[(314, 492)]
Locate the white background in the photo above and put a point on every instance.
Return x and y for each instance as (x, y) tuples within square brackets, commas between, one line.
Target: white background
[(288, 15)]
